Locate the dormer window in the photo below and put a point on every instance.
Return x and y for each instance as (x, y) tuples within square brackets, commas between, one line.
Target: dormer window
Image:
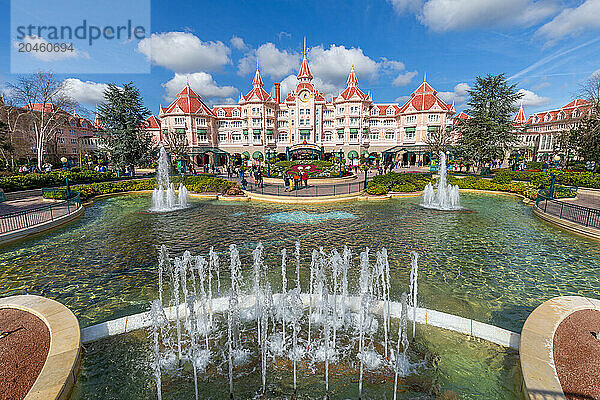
[(576, 114), (236, 113), (389, 111), (374, 111), (547, 117), (537, 119), (221, 113)]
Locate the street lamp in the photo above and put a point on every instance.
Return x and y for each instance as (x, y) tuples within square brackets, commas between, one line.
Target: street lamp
[(556, 160), (64, 162), (341, 161)]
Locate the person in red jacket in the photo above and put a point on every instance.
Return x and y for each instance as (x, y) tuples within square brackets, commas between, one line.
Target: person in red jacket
[(305, 178)]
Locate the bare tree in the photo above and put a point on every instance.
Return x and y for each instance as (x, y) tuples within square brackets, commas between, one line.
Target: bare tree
[(45, 102), (16, 129), (590, 90), (176, 142), (438, 141)]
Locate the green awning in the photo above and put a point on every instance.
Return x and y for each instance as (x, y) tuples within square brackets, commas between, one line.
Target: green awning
[(352, 154), (365, 130), (182, 131), (305, 131), (165, 131), (353, 130), (257, 155), (255, 131), (410, 130), (340, 130), (245, 131), (201, 130), (432, 128), (364, 153), (246, 154), (269, 131)]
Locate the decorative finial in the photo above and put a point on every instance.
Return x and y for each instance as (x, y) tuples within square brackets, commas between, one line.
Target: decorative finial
[(425, 77), (257, 64), (304, 51), (187, 80), (352, 67)]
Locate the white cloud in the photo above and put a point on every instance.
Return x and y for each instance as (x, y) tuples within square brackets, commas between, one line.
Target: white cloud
[(85, 92), (284, 35), (333, 64), (50, 56), (573, 21), (405, 78), (238, 43), (183, 52), (402, 6), (201, 82), (531, 99), (447, 15), (272, 61), (288, 84), (458, 95)]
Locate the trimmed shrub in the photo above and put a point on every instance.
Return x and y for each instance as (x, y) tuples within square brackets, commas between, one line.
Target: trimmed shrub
[(35, 181), (502, 177), (199, 184), (376, 189)]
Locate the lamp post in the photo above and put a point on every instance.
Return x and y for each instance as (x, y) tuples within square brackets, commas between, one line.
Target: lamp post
[(341, 161), (64, 162), (556, 160)]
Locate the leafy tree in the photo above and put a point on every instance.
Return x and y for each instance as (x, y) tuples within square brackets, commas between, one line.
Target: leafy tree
[(122, 116), (586, 134), (487, 136)]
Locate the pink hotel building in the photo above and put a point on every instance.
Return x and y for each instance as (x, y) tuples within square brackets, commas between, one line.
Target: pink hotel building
[(304, 123)]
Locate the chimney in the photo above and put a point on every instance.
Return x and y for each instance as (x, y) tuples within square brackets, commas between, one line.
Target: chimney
[(277, 84)]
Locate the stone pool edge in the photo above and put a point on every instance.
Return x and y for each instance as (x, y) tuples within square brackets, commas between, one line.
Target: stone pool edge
[(60, 370), (536, 353), (424, 316)]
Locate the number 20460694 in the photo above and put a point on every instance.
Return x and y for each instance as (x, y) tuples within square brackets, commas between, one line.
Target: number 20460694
[(45, 47)]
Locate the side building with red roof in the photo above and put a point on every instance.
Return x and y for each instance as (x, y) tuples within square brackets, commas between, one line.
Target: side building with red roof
[(303, 124), (538, 135)]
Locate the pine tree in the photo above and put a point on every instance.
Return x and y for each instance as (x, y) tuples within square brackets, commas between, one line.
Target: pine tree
[(122, 115), (487, 135)]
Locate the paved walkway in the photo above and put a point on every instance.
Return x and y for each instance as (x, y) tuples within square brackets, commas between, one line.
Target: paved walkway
[(21, 204), (587, 198)]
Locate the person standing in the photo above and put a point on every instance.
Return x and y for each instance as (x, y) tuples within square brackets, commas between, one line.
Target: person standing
[(305, 178), (286, 182)]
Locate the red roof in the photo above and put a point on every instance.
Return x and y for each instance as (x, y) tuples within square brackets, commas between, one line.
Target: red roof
[(228, 110), (382, 109), (304, 70), (352, 91), (425, 98), (520, 117), (258, 93), (460, 116), (577, 104), (189, 103), (152, 122), (352, 79), (257, 82)]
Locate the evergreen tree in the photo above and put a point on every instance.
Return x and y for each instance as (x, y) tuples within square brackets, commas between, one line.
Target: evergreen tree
[(122, 115), (487, 135)]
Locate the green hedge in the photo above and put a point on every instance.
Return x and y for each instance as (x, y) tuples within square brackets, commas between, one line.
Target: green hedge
[(197, 184), (402, 182), (57, 178), (543, 179)]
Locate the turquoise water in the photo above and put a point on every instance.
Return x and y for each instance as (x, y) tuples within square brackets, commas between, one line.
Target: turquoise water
[(494, 265)]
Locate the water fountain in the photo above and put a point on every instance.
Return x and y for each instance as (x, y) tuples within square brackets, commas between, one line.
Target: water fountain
[(164, 197), (444, 196), (331, 329)]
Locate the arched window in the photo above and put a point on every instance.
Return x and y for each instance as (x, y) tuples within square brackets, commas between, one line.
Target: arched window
[(221, 113), (390, 111)]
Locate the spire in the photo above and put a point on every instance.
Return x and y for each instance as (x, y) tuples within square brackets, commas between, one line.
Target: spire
[(352, 80), (520, 117), (425, 77), (257, 82), (304, 74)]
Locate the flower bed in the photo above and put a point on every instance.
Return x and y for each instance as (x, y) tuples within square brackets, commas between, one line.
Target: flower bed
[(314, 168)]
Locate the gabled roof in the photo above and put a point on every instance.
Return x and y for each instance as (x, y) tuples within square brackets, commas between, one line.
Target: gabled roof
[(577, 104), (257, 82), (520, 117), (304, 72), (188, 102), (152, 122), (228, 110), (352, 79), (425, 98), (382, 109), (258, 94)]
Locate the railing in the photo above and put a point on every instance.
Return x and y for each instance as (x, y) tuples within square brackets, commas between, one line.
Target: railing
[(39, 215), (585, 216), (307, 191)]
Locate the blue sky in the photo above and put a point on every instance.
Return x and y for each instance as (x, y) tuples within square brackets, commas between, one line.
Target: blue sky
[(548, 47)]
